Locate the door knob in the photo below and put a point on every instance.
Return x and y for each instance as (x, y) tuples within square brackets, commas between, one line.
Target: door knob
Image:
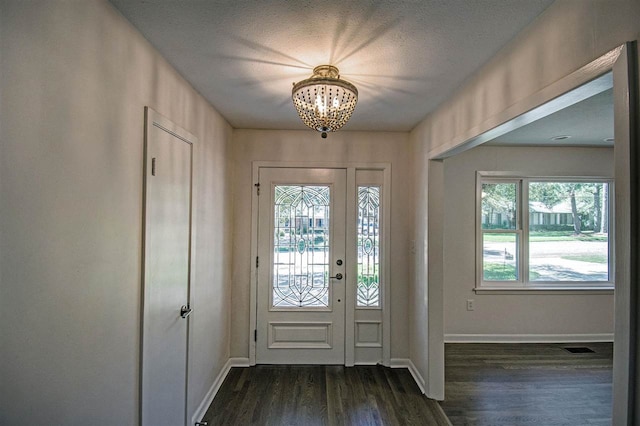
[(185, 311), (337, 277)]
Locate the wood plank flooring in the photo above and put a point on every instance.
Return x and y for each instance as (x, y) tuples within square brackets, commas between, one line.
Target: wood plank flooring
[(322, 395), (527, 384)]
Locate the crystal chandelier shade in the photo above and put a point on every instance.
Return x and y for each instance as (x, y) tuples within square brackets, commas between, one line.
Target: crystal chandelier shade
[(324, 102)]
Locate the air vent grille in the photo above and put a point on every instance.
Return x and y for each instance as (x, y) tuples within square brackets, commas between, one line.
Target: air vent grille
[(579, 350)]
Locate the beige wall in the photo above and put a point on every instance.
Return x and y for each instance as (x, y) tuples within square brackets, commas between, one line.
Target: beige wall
[(567, 36), (516, 316), (74, 80), (307, 146)]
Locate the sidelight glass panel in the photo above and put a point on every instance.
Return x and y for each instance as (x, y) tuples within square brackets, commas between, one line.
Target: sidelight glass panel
[(301, 246), (368, 287)]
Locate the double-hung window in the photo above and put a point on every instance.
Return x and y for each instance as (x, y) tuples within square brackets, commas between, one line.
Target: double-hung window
[(544, 232)]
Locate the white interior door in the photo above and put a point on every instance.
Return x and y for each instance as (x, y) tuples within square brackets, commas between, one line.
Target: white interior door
[(301, 273), (167, 239)]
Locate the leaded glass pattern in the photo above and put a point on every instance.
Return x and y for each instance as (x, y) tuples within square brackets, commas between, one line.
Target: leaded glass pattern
[(368, 287), (301, 246)]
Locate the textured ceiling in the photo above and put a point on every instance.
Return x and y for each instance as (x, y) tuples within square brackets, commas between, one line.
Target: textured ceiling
[(587, 123), (405, 57)]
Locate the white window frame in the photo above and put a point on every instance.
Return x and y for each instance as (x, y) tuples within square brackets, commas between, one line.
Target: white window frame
[(522, 231)]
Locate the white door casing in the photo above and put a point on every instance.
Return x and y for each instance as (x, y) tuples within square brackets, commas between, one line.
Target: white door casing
[(301, 250), (167, 271)]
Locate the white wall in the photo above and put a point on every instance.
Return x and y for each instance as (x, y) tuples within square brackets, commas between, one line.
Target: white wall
[(513, 315), (74, 79), (307, 146), (567, 36)]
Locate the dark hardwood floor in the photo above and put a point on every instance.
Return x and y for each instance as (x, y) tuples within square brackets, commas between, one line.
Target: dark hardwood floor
[(322, 395), (485, 384), (527, 384)]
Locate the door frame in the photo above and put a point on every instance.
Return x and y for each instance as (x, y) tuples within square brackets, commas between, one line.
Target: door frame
[(276, 341), (350, 226), (152, 119)]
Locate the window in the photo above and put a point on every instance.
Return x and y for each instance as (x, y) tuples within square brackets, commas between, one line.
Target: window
[(368, 286), (544, 232)]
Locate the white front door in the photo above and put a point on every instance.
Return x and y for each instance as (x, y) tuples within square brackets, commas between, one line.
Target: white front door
[(301, 272), (167, 239)]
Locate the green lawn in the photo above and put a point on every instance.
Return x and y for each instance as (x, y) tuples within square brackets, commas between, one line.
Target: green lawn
[(499, 272), (565, 236), (540, 236), (504, 272), (591, 258)]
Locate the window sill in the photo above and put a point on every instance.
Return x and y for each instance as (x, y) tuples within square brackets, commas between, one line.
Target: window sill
[(544, 290)]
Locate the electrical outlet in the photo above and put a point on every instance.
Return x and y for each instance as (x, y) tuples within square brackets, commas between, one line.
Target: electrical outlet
[(470, 305)]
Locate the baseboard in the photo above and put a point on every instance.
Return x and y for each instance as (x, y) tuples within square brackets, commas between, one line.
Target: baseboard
[(407, 363), (215, 387), (528, 338)]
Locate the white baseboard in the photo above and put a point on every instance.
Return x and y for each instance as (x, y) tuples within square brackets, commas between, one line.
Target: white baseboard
[(528, 338), (215, 387), (239, 362), (407, 363)]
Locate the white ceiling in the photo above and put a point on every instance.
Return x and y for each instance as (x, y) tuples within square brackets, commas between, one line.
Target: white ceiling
[(405, 57), (587, 123)]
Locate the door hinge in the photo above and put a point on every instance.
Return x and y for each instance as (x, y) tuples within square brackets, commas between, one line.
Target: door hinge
[(255, 335), (153, 166), (257, 261), (257, 185)]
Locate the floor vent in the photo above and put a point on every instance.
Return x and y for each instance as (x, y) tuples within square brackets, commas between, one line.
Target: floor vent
[(580, 350)]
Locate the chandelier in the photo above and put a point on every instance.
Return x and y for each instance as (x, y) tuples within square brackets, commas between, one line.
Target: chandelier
[(323, 101)]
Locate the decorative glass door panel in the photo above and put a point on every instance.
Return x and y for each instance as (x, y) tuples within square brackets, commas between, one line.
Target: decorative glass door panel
[(301, 247), (301, 287), (368, 228)]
